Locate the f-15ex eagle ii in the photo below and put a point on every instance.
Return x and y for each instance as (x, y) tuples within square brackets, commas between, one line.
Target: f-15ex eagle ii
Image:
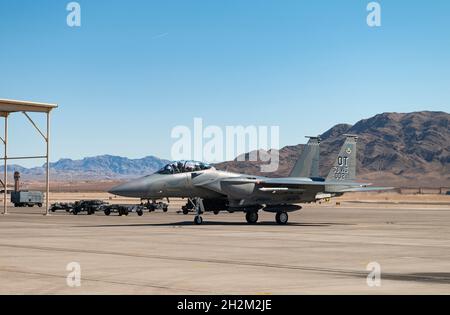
[(208, 189)]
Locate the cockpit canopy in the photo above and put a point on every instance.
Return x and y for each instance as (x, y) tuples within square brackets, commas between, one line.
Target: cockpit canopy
[(179, 167)]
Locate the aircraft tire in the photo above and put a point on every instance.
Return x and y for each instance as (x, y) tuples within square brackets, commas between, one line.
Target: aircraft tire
[(252, 217), (282, 218), (198, 220)]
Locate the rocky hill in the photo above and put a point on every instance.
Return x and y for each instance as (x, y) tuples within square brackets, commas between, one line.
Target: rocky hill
[(410, 149)]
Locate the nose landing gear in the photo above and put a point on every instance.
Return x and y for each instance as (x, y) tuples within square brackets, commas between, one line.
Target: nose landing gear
[(199, 209), (198, 220)]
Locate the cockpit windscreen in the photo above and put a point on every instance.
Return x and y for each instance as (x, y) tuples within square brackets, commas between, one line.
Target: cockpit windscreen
[(184, 167)]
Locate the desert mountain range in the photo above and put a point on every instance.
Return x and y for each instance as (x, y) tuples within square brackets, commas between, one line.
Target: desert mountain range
[(102, 167)]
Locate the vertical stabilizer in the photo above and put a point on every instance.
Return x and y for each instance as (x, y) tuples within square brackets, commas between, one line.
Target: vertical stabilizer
[(307, 164), (344, 168)]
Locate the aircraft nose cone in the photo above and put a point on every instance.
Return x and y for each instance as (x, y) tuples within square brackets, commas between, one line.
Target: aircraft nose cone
[(130, 189)]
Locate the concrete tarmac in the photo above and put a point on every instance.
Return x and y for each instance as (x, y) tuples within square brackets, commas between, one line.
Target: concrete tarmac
[(324, 250)]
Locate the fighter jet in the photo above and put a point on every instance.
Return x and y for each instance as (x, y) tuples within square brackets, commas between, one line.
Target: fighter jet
[(209, 189)]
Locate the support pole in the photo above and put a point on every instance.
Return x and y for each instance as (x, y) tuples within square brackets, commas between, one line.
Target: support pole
[(47, 194), (5, 171)]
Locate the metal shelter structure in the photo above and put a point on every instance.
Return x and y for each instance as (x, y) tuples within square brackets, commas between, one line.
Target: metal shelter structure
[(7, 107)]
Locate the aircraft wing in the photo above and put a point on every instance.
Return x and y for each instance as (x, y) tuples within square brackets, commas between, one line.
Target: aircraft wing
[(303, 184), (275, 185), (280, 186)]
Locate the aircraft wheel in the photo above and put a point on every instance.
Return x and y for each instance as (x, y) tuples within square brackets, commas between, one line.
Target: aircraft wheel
[(198, 220), (251, 217), (282, 218)]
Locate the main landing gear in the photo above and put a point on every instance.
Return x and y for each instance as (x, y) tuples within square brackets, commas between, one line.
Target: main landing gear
[(251, 214), (251, 217), (282, 218)]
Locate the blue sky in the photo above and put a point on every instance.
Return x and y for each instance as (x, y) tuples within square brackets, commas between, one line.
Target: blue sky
[(136, 69)]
